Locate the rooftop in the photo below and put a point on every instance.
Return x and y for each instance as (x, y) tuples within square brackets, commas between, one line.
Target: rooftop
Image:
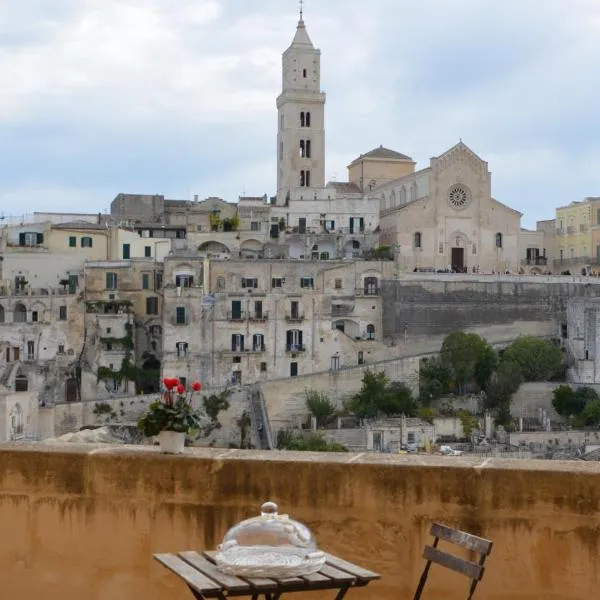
[(386, 153)]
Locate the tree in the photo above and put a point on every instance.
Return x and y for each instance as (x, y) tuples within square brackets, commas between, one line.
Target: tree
[(570, 403), (435, 378), (539, 360), (590, 416), (397, 400), (469, 423), (365, 403), (503, 383), (320, 407), (485, 364), (461, 352)]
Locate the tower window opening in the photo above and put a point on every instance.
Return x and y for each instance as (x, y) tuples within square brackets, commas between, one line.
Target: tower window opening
[(302, 119), (307, 148), (302, 149), (307, 118), (304, 73)]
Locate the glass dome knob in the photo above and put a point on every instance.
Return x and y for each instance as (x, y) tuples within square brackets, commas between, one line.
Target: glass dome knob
[(269, 508)]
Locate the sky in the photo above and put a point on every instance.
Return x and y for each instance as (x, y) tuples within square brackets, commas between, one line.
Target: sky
[(178, 97)]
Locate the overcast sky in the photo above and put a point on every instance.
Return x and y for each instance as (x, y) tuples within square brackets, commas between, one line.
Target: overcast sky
[(177, 97)]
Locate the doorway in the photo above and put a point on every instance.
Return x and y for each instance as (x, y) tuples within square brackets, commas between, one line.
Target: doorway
[(458, 260)]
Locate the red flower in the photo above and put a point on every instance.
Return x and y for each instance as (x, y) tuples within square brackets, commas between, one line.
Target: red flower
[(196, 386), (170, 382), (180, 388)]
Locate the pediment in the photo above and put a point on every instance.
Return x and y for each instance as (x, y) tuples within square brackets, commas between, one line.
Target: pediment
[(460, 157)]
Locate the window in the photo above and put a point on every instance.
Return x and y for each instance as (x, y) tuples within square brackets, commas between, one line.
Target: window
[(263, 367), (294, 340), (294, 369), (304, 73), (181, 349), (72, 241), (152, 305), (337, 284), (361, 358), (220, 283), (111, 281), (258, 309), (126, 251), (180, 316), (335, 363), (145, 281), (307, 119), (147, 251), (305, 148), (108, 330), (61, 349), (34, 316), (30, 350), (417, 240), (86, 242), (237, 342), (237, 360), (370, 332), (249, 282), (158, 281), (236, 310), (498, 240), (258, 342), (330, 225), (31, 238), (295, 309), (304, 178), (371, 285), (302, 120), (255, 226), (19, 313), (62, 313), (185, 281), (276, 282), (474, 248), (307, 282)]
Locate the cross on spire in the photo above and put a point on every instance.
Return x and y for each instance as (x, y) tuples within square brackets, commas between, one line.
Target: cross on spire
[(301, 9)]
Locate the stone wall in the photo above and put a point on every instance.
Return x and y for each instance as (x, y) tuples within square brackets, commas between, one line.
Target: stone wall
[(83, 522), (286, 398), (440, 304)]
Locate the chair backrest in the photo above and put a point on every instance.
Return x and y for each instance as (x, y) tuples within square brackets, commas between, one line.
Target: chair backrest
[(432, 554)]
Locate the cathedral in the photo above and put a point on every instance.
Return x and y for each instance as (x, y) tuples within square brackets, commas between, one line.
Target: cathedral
[(441, 217)]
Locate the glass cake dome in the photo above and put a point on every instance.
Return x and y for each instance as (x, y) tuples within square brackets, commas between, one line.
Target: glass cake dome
[(270, 545)]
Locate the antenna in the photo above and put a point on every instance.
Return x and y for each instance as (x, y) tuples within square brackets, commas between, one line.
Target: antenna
[(301, 9)]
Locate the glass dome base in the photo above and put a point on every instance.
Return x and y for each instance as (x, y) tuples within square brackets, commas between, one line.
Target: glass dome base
[(268, 561)]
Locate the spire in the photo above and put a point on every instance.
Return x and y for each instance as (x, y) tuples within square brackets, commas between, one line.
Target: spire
[(302, 39)]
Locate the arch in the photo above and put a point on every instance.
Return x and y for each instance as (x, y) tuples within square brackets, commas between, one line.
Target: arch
[(413, 191), (499, 240), (348, 326), (352, 249), (382, 202), (150, 383), (393, 199), (252, 245), (1, 313), (19, 313), (214, 247), (370, 331), (403, 195)]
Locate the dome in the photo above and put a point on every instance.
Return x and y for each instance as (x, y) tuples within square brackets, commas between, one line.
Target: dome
[(270, 545)]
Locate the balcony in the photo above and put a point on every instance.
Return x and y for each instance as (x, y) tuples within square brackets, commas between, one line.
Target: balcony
[(539, 261), (236, 316), (258, 349), (367, 291), (259, 316), (294, 317), (295, 348)]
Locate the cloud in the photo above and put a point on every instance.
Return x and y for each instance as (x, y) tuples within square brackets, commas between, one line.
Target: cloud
[(103, 96)]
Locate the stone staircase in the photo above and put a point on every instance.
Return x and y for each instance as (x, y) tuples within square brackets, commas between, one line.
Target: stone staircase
[(261, 427)]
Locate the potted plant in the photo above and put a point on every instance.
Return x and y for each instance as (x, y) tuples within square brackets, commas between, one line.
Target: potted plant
[(172, 417)]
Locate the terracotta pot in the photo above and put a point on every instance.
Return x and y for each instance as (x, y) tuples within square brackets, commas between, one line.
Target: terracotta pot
[(171, 442)]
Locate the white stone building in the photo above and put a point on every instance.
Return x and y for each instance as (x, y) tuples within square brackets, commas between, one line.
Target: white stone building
[(583, 340)]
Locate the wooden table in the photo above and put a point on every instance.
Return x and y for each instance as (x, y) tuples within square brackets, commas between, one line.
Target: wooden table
[(200, 573)]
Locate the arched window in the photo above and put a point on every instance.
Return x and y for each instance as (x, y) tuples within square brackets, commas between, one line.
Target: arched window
[(417, 239), (402, 195), (370, 332), (383, 206), (498, 240), (19, 313), (413, 191), (393, 199)]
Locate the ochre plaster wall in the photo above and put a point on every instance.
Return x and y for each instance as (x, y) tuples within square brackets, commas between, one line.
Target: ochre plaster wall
[(82, 523)]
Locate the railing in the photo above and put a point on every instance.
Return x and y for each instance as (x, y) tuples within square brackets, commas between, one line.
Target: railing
[(367, 291), (257, 349), (262, 316), (539, 261), (341, 311), (577, 260), (178, 322), (571, 229), (294, 317), (295, 348), (236, 316)]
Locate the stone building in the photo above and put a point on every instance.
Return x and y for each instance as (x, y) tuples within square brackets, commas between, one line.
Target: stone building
[(583, 340)]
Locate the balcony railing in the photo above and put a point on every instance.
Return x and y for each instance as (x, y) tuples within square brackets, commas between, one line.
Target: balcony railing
[(294, 317), (539, 261), (259, 316), (236, 316), (259, 349), (295, 348), (367, 291)]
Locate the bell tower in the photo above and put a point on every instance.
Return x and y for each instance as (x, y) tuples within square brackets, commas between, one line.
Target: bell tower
[(301, 119)]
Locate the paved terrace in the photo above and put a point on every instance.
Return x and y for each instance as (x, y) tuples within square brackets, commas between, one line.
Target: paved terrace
[(81, 522)]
